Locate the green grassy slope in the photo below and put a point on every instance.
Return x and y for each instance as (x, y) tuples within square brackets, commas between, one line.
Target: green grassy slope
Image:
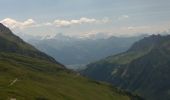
[(41, 80)]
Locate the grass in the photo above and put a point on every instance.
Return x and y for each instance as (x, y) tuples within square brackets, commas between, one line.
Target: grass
[(127, 57), (43, 80)]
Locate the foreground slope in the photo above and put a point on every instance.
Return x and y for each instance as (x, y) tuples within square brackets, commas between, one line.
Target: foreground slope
[(27, 78), (28, 74), (143, 69)]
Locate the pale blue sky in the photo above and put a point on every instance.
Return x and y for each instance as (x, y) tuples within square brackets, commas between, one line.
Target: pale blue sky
[(117, 17)]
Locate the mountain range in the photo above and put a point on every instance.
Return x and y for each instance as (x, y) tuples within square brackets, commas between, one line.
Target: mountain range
[(29, 74), (143, 69), (72, 51)]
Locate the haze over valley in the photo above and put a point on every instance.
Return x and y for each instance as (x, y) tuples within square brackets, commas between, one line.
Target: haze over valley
[(85, 50)]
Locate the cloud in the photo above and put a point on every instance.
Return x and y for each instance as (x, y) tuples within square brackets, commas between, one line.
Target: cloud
[(123, 17), (67, 23), (105, 20), (17, 24), (12, 23), (95, 35), (131, 28)]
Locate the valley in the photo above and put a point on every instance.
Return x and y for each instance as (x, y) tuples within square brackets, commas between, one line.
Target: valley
[(29, 74)]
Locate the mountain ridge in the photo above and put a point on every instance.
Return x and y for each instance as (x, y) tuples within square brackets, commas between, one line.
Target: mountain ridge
[(142, 69), (17, 45), (74, 51)]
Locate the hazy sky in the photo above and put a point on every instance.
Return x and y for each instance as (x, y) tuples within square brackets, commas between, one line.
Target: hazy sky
[(86, 17)]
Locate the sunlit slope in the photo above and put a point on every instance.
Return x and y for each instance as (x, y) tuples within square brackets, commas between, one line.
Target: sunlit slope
[(27, 78)]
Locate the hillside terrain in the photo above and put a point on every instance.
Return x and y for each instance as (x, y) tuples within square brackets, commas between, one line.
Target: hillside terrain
[(143, 69)]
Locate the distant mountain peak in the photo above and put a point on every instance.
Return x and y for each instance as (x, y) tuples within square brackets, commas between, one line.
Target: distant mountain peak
[(148, 42)]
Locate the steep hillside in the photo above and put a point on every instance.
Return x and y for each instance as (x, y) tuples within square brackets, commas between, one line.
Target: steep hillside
[(28, 74), (11, 43), (144, 69)]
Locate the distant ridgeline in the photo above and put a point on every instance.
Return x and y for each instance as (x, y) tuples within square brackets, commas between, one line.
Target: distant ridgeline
[(144, 69), (76, 51)]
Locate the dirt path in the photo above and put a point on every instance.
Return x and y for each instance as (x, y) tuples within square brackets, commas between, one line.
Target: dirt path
[(13, 82)]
